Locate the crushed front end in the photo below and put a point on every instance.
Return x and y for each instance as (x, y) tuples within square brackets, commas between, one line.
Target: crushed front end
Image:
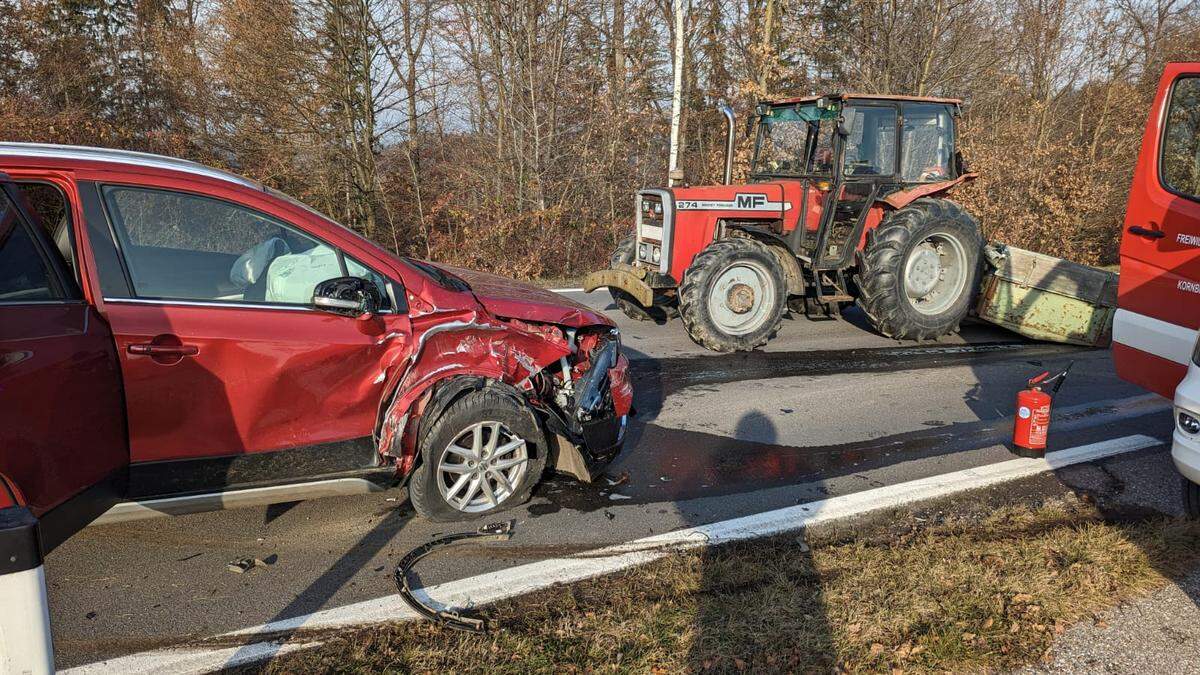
[(586, 403), (574, 379)]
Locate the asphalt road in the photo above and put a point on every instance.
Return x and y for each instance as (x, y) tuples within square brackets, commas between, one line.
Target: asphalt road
[(828, 408)]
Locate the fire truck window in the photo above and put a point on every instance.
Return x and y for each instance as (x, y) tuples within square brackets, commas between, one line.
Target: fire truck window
[(1180, 162), (871, 144), (926, 144)]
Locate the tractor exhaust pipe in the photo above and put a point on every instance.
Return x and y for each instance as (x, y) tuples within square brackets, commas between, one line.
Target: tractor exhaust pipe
[(729, 127)]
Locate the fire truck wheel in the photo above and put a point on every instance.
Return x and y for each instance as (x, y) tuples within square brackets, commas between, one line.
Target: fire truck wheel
[(1191, 499), (663, 308), (919, 272), (484, 454), (733, 297)]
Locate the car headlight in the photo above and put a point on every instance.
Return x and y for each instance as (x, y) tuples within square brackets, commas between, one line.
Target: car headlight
[(643, 252), (1189, 423), (656, 254)]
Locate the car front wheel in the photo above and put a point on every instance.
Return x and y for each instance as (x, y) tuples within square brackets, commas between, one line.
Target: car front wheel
[(483, 455)]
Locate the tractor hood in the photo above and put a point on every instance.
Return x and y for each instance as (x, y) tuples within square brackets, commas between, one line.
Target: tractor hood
[(517, 300), (754, 199)]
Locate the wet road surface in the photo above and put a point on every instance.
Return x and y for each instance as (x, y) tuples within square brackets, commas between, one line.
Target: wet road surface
[(828, 408)]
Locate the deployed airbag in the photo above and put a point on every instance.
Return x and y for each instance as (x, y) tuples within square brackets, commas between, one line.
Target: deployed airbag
[(291, 278), (249, 266)]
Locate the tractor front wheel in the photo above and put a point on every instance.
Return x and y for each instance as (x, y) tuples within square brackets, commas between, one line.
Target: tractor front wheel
[(919, 272), (733, 296), (662, 309)]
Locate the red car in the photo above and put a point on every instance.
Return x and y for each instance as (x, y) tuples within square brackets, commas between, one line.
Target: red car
[(175, 334)]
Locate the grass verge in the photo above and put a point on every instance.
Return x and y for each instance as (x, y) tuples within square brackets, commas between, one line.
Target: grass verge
[(977, 589)]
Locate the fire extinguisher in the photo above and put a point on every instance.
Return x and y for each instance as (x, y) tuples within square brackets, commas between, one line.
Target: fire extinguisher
[(1033, 413)]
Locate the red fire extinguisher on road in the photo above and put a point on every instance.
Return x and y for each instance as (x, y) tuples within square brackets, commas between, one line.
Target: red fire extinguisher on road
[(1032, 424)]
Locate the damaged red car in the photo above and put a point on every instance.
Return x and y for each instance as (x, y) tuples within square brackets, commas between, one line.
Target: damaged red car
[(174, 336)]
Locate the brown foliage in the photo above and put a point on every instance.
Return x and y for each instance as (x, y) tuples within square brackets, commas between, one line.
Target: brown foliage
[(512, 136)]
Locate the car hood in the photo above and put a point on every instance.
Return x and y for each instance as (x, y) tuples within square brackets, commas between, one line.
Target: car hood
[(511, 299)]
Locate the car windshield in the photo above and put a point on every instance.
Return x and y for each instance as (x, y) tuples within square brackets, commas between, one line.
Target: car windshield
[(795, 140)]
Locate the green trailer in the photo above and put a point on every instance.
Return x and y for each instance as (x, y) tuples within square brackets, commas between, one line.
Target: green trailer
[(1047, 298)]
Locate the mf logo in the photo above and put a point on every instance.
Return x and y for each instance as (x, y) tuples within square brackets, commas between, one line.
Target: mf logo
[(750, 201)]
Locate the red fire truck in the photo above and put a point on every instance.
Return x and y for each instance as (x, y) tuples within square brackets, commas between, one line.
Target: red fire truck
[(1154, 331)]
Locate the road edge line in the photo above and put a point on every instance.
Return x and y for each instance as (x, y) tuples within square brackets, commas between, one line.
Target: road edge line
[(485, 588)]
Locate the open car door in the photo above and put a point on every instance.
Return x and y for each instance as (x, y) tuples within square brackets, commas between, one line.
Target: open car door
[(63, 449)]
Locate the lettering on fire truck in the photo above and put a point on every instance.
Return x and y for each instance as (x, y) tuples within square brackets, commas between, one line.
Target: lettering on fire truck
[(1188, 239), (1189, 286)]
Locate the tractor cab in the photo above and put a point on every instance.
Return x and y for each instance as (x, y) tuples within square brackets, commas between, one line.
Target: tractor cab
[(845, 203), (847, 153)]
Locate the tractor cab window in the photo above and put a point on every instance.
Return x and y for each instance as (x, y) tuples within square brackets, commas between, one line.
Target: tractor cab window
[(795, 140), (927, 143), (871, 141)]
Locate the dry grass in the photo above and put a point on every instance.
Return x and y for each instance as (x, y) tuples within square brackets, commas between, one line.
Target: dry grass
[(973, 593)]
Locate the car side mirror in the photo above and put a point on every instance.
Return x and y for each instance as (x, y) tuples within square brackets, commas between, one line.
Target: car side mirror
[(347, 296)]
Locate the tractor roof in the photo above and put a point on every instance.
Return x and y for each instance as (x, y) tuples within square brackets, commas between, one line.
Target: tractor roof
[(877, 97)]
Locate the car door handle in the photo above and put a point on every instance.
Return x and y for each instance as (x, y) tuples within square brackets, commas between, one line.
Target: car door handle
[(149, 349), (1146, 232)]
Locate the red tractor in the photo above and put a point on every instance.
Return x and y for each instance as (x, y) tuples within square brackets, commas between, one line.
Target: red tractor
[(846, 203)]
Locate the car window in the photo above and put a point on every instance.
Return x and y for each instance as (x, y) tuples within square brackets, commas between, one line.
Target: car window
[(357, 269), (48, 205), (189, 247), (871, 143), (1180, 160), (24, 273)]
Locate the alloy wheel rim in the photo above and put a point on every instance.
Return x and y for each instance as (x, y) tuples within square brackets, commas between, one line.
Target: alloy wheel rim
[(935, 274), (741, 298), (481, 467)]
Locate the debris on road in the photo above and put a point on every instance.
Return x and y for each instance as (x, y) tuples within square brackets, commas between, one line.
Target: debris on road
[(1047, 298), (619, 480), (448, 617), (243, 565)]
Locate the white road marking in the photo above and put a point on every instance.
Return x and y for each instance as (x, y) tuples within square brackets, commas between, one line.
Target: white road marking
[(494, 586), (567, 290)]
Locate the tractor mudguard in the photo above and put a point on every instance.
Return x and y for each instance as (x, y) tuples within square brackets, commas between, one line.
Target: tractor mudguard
[(902, 198)]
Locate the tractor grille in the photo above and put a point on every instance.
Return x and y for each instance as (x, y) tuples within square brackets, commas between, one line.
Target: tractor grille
[(650, 218), (655, 220)]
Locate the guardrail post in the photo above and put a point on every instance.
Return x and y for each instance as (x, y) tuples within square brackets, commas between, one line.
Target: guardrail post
[(25, 639)]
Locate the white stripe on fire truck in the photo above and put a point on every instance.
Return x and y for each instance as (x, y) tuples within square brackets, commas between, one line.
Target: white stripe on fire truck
[(1154, 336)]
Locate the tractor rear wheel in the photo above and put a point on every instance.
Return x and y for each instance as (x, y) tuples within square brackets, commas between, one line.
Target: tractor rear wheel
[(919, 272), (661, 311), (734, 295)]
